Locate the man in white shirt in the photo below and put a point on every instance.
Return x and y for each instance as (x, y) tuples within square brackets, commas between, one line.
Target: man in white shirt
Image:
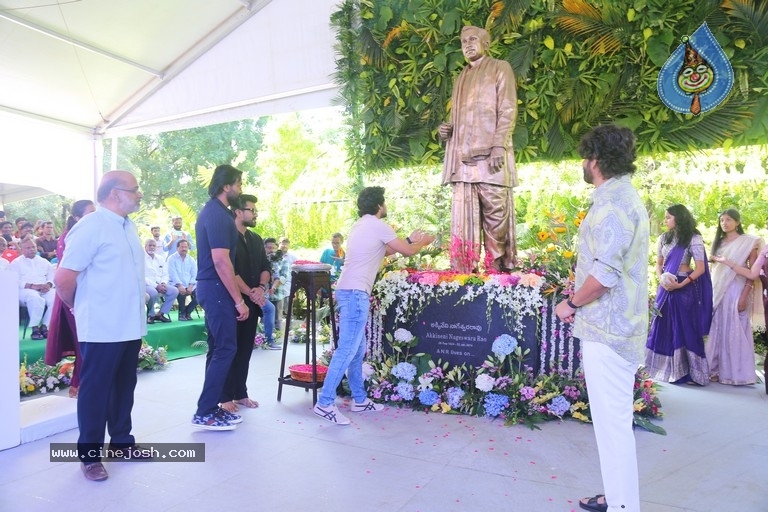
[(156, 278), (182, 274), (35, 287)]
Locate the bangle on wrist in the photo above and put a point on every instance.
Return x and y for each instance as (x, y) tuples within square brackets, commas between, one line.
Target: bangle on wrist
[(241, 303), (571, 304), (263, 286), (408, 239)]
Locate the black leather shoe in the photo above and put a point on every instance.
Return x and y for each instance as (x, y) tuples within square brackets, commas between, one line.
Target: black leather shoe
[(151, 320), (163, 318)]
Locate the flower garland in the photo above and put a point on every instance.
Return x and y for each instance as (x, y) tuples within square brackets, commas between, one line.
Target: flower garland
[(502, 387), (518, 294)]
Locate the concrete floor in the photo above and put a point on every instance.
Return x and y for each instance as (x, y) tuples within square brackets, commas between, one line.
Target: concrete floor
[(714, 458)]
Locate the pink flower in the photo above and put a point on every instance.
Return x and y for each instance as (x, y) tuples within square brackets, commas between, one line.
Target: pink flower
[(429, 278)]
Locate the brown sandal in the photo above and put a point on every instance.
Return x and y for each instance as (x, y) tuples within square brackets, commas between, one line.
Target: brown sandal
[(230, 407), (247, 402)]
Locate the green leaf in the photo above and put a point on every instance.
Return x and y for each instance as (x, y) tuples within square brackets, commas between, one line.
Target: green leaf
[(659, 48), (644, 422)]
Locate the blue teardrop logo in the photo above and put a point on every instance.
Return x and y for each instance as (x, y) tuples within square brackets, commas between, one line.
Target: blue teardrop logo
[(697, 77)]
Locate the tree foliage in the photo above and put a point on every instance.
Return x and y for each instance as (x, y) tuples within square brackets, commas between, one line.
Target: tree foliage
[(579, 63), (166, 164)]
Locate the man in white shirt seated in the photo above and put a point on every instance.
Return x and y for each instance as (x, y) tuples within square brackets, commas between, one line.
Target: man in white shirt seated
[(182, 272), (36, 290), (156, 278)]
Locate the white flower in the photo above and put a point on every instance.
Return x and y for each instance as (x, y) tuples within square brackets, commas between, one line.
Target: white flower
[(403, 335), (484, 382), (368, 370), (424, 383)]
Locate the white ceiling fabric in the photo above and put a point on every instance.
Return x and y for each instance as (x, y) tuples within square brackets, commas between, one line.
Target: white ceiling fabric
[(123, 67)]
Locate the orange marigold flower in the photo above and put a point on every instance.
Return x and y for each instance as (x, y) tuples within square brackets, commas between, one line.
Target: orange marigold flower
[(577, 222), (560, 229), (581, 214), (543, 235), (568, 254)]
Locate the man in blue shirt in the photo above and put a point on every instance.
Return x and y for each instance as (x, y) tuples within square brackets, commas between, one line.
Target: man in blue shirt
[(101, 277), (218, 294)]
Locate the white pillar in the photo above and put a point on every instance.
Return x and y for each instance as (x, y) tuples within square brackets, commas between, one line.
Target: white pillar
[(10, 433)]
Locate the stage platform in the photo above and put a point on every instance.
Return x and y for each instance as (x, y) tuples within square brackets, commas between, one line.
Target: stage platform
[(177, 336)]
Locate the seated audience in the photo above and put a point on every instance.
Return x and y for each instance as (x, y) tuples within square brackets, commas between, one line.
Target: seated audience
[(6, 253), (35, 287), (26, 230), (18, 223), (6, 230), (182, 274), (156, 278), (3, 247), (46, 243)]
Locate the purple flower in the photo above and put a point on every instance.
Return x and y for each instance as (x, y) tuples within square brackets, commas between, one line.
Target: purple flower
[(527, 392), (453, 397), (428, 397), (559, 406), (405, 390), (494, 404), (504, 345)]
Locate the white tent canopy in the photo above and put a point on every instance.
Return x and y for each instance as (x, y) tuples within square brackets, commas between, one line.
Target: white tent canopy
[(74, 72)]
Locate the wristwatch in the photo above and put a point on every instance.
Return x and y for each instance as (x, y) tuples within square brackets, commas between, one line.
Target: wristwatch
[(571, 304)]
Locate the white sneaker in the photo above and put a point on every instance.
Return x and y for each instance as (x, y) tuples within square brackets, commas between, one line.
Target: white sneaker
[(331, 413), (367, 405)]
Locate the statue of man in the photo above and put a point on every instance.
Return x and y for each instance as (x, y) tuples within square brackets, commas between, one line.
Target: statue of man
[(479, 158)]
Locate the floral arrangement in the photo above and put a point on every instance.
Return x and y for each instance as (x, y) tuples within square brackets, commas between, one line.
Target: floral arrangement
[(502, 387), (299, 334), (260, 340), (38, 377), (152, 358), (551, 252)]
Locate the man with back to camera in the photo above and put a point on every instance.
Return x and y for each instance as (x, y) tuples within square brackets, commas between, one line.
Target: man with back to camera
[(370, 239), (609, 308)]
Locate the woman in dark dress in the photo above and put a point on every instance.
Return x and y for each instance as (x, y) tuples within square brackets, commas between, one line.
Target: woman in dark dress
[(62, 334), (675, 347)]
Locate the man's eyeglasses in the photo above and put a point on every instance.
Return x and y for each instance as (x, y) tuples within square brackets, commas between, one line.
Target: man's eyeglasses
[(134, 190), (252, 210)]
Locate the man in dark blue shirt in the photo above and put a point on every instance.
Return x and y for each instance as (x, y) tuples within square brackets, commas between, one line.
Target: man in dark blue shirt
[(218, 294)]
